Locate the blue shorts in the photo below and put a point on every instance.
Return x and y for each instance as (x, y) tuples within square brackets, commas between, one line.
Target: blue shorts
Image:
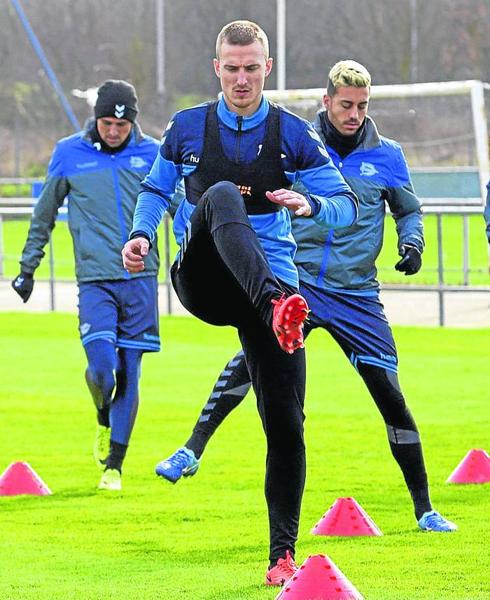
[(124, 312), (357, 323)]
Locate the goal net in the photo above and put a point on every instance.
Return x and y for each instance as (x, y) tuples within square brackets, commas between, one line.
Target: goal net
[(442, 127)]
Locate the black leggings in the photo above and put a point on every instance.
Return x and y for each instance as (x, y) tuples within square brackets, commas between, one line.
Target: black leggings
[(223, 277), (403, 436)]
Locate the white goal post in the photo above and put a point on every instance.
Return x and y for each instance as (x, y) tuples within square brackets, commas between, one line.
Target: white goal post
[(442, 126)]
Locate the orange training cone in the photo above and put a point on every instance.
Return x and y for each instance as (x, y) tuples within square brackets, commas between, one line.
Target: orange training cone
[(474, 468), (346, 517), (319, 578), (20, 478)]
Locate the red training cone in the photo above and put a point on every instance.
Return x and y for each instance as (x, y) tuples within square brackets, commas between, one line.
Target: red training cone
[(474, 468), (20, 478), (346, 517), (319, 578)]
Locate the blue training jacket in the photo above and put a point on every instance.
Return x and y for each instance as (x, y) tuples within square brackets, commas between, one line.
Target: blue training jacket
[(102, 189), (344, 259), (304, 159)]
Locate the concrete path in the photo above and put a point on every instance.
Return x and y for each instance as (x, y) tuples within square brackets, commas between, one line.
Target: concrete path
[(461, 309)]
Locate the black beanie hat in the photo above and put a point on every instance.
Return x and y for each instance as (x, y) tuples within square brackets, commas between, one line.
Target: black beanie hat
[(116, 98)]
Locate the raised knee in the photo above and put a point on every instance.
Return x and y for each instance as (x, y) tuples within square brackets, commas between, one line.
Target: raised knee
[(224, 192)]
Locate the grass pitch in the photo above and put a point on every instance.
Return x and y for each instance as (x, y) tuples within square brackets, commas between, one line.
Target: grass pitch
[(206, 537)]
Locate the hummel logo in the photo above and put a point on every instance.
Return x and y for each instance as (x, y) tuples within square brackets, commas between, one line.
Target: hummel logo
[(194, 159), (119, 110), (18, 282), (87, 165)]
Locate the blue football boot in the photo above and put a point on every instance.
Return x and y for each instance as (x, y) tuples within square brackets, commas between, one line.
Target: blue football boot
[(183, 462), (433, 521)]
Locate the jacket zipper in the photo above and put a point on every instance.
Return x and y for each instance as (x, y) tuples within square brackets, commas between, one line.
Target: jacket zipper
[(239, 136)]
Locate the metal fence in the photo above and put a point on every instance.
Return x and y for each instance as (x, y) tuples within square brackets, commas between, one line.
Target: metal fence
[(22, 207)]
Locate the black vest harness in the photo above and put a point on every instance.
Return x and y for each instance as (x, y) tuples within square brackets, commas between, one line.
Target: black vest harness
[(253, 179)]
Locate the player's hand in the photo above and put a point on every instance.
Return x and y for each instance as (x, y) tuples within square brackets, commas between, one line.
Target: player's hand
[(410, 262), (133, 254), (292, 200), (23, 284)]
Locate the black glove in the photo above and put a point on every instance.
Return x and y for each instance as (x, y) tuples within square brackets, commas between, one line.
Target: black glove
[(23, 285), (410, 262)]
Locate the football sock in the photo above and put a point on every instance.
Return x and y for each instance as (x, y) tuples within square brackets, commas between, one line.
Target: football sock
[(99, 375), (124, 406), (116, 456), (228, 391), (421, 502), (403, 437), (409, 458), (103, 416)]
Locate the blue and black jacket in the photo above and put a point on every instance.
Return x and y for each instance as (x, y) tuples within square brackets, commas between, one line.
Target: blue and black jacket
[(102, 189), (344, 259), (303, 157)]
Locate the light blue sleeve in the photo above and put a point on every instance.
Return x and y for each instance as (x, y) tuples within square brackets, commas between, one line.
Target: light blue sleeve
[(157, 190), (335, 204)]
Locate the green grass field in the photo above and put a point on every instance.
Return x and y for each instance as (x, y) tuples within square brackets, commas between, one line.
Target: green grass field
[(206, 537), (15, 232)]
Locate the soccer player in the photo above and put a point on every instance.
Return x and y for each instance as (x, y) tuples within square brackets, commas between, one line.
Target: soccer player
[(338, 279), (239, 157), (99, 170)]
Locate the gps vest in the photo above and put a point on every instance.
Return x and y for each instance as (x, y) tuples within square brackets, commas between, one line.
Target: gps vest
[(253, 179)]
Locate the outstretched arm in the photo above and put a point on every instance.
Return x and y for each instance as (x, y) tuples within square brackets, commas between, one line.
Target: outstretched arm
[(292, 200)]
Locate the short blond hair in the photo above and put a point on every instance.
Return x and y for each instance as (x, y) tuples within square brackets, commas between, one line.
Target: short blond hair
[(242, 33), (347, 73)]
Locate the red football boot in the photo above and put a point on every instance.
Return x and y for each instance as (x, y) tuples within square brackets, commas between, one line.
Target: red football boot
[(287, 321), (282, 572)]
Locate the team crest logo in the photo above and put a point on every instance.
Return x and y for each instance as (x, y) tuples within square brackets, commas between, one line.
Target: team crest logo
[(368, 169), (119, 110), (137, 162), (85, 328)]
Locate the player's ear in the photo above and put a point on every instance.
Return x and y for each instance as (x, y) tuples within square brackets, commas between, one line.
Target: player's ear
[(216, 66), (326, 101), (268, 66)]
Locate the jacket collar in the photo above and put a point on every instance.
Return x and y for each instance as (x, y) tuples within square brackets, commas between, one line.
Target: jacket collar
[(135, 137), (230, 119), (371, 139)]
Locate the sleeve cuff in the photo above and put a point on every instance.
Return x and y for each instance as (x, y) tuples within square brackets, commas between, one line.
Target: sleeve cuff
[(315, 204), (137, 233)]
